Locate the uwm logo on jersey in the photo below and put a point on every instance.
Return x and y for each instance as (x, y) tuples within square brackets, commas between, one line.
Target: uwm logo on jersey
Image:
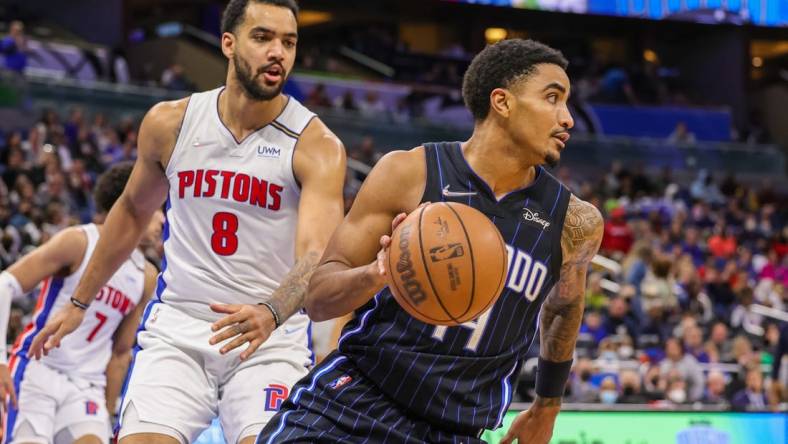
[(230, 185)]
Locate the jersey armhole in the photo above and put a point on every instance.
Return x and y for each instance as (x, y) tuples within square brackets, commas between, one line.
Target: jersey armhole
[(557, 253)]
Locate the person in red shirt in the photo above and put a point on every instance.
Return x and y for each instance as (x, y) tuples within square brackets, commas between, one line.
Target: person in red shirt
[(618, 235)]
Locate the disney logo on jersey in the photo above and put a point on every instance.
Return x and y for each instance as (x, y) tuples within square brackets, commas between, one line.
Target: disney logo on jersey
[(444, 252), (533, 216), (268, 151)]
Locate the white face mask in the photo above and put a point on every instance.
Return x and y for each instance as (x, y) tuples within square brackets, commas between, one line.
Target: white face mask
[(608, 396), (677, 395), (626, 351)]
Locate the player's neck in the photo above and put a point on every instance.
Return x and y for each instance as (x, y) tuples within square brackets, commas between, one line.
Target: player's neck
[(243, 115), (496, 163)]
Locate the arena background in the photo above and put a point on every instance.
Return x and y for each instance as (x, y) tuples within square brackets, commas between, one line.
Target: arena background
[(681, 137)]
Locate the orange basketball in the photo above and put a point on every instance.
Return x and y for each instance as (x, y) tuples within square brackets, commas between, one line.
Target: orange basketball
[(447, 263)]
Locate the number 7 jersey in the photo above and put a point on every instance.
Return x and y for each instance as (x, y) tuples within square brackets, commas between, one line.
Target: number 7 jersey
[(232, 209)]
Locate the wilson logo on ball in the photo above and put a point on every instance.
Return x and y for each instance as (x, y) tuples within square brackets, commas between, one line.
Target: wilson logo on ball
[(405, 269), (443, 252)]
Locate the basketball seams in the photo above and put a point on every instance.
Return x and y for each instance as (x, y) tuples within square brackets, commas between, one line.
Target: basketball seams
[(399, 290), (473, 263), (501, 280), (427, 270)]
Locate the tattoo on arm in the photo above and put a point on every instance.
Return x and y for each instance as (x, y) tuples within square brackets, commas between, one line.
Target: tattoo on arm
[(562, 311), (289, 297)]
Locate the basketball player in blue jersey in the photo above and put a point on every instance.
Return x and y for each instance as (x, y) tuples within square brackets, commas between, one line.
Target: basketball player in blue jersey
[(396, 379), (253, 187)]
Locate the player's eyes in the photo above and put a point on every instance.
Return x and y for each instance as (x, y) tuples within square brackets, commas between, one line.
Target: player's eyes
[(552, 98)]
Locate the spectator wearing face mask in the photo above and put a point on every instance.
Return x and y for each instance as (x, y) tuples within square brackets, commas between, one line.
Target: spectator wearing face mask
[(687, 367), (608, 393), (676, 391)]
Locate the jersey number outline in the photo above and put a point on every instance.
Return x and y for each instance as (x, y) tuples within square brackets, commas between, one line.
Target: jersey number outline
[(224, 240), (102, 319), (477, 326)]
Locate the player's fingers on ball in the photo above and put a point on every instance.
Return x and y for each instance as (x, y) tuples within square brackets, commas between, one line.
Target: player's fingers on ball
[(398, 220)]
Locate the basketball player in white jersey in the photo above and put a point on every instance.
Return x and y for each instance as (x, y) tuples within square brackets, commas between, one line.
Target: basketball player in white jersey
[(253, 183), (61, 398)]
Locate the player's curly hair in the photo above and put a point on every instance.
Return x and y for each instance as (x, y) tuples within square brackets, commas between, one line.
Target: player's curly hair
[(110, 185), (499, 66), (234, 12)]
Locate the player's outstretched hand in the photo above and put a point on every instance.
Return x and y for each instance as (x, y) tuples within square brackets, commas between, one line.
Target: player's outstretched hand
[(533, 426), (62, 323), (6, 387), (244, 323)]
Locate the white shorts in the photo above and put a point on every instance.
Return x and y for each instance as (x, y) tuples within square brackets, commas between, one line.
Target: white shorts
[(179, 381), (52, 404)]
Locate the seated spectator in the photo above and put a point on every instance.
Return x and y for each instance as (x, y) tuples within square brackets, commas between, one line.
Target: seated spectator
[(630, 388), (317, 98), (620, 320), (582, 388), (685, 365), (592, 326), (175, 78), (752, 397), (681, 135), (744, 319), (596, 298), (372, 106), (657, 289), (608, 393), (346, 102), (693, 344), (676, 389), (617, 239), (715, 389)]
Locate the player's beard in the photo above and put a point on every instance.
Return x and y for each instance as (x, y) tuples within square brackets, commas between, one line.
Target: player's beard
[(551, 160), (249, 82)]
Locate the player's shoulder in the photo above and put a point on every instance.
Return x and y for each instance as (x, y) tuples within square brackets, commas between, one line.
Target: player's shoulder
[(399, 178), (71, 237), (164, 119), (403, 162), (318, 142), (583, 230)]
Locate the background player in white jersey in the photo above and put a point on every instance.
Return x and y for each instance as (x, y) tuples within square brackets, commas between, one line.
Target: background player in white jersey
[(253, 184), (61, 398)]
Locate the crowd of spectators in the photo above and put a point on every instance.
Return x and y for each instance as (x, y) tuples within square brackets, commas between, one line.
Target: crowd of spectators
[(675, 324)]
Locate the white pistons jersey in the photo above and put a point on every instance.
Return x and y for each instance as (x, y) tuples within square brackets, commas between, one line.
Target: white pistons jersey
[(232, 210), (84, 354)]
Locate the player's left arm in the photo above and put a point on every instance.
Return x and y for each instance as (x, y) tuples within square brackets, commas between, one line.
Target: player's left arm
[(319, 165), (123, 341), (560, 319)]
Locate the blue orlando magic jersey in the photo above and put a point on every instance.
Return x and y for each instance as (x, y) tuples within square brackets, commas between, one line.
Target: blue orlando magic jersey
[(461, 377)]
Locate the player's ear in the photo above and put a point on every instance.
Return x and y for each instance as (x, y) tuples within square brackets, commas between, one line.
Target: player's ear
[(228, 44), (501, 102)]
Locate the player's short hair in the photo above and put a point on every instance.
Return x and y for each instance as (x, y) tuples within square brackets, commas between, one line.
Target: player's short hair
[(110, 185), (500, 66), (234, 12)]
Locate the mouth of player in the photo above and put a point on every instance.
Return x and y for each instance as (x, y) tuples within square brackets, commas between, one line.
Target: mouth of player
[(561, 138), (273, 74)]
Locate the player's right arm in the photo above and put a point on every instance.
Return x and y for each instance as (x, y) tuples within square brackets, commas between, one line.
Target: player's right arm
[(350, 272), (61, 255), (127, 221)]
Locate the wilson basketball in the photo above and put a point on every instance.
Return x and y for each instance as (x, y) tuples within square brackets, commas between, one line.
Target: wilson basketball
[(447, 263)]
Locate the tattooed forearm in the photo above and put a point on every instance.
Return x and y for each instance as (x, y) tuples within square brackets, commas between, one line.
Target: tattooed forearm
[(562, 312), (289, 297)]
